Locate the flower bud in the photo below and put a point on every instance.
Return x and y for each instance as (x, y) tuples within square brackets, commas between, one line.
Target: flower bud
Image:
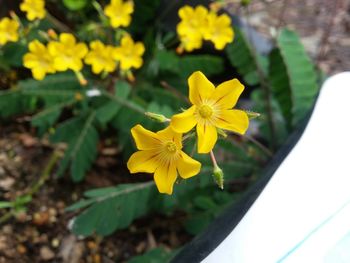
[(157, 117), (218, 176), (252, 114)]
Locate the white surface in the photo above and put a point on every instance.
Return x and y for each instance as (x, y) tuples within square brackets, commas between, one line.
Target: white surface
[(304, 211)]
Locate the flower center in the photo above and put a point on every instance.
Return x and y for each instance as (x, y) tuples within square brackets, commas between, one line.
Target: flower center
[(205, 111), (171, 147)]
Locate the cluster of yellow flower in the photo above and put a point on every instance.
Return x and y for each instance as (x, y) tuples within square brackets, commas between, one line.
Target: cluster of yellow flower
[(212, 111), (65, 53), (199, 23)]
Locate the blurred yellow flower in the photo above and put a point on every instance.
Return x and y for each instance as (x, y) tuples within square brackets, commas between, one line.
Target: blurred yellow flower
[(219, 30), (8, 30), (160, 153), (192, 26), (34, 9), (67, 53), (129, 54), (100, 57), (38, 60), (119, 12), (212, 109)]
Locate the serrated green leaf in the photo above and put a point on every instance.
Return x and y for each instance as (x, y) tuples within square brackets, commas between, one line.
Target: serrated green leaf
[(13, 53), (293, 78), (168, 61), (14, 102)]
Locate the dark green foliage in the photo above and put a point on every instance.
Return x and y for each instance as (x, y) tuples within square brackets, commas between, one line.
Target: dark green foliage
[(113, 208), (293, 78), (157, 255), (241, 56), (82, 137)]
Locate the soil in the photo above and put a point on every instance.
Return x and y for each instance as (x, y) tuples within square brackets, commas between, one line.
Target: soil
[(41, 233)]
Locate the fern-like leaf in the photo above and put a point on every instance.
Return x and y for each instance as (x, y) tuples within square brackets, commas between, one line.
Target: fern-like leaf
[(292, 77), (82, 139), (109, 209)]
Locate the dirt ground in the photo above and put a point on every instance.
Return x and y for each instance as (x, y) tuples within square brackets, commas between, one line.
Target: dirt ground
[(41, 233)]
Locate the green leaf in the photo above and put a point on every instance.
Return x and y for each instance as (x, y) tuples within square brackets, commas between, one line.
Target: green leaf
[(293, 78), (75, 5), (208, 64), (108, 111), (46, 118), (4, 204), (241, 56), (114, 209), (14, 102), (157, 255), (13, 53), (279, 122), (82, 138), (168, 61)]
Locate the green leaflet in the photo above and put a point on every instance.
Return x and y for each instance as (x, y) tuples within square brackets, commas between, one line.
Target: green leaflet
[(112, 208), (241, 56), (106, 112), (292, 77), (82, 139), (157, 255)]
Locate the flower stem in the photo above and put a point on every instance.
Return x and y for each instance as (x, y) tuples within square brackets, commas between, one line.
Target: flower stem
[(62, 27)]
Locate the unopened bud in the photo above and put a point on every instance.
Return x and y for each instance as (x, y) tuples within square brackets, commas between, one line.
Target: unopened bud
[(52, 34), (157, 117), (78, 96), (221, 132), (218, 176), (180, 50), (252, 114), (130, 76), (81, 78)]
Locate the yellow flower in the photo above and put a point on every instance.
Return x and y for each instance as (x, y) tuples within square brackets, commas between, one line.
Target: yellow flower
[(212, 108), (38, 60), (129, 54), (100, 57), (193, 24), (160, 153), (191, 42), (67, 53), (34, 9), (8, 30), (219, 30), (119, 12)]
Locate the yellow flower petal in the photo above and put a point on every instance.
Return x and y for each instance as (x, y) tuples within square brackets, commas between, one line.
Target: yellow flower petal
[(187, 166), (201, 89), (227, 93), (168, 134), (67, 39), (233, 120), (207, 137), (185, 121), (144, 139), (165, 177), (143, 161)]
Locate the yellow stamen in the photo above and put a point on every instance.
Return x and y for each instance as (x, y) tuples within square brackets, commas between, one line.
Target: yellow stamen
[(171, 147), (205, 111)]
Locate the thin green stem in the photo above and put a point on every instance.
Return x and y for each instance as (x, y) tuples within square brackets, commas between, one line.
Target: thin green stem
[(122, 102), (266, 88), (62, 27)]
